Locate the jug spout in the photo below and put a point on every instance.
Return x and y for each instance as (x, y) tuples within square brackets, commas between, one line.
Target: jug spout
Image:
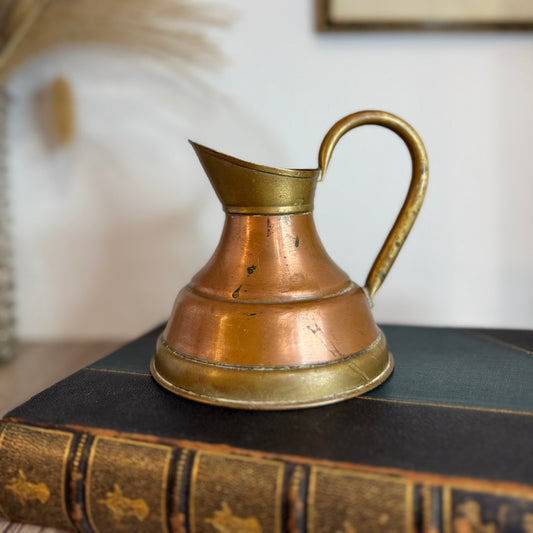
[(247, 188)]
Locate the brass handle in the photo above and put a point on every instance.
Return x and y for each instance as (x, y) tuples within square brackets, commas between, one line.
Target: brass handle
[(415, 194)]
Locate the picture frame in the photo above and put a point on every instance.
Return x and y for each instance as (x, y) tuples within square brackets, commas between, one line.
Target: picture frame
[(421, 15)]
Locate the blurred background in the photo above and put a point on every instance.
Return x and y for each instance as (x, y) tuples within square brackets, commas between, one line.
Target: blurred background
[(107, 228)]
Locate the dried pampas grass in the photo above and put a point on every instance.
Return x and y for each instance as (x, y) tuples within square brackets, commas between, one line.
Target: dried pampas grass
[(169, 30)]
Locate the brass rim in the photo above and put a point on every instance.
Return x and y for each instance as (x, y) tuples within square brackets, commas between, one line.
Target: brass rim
[(307, 173), (293, 387)]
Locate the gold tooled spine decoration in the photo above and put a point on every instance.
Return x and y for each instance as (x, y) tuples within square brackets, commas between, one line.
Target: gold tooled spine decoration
[(225, 521), (28, 491), (296, 500), (178, 509), (75, 478), (429, 517), (347, 527), (121, 506), (34, 465)]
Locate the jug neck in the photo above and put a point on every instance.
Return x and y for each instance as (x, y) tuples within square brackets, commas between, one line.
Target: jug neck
[(247, 188), (270, 259)]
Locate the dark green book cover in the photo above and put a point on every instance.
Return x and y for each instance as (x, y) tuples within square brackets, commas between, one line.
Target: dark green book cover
[(446, 444)]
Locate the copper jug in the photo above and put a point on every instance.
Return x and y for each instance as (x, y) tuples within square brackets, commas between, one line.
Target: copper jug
[(271, 322)]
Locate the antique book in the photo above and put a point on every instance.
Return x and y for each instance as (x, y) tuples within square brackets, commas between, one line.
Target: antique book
[(446, 444)]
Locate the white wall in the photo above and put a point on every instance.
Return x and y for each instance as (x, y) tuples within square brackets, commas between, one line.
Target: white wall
[(108, 230)]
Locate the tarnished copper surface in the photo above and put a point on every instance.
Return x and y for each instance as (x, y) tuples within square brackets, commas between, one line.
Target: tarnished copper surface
[(270, 288), (271, 322)]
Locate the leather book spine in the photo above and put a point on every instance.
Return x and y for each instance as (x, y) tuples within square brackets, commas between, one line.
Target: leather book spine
[(84, 481)]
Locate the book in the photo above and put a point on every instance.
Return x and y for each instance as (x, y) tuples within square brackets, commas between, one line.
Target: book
[(446, 444)]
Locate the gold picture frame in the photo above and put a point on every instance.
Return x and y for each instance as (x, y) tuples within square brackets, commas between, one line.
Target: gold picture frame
[(421, 15)]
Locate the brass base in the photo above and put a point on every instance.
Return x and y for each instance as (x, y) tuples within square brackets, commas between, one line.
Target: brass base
[(263, 387)]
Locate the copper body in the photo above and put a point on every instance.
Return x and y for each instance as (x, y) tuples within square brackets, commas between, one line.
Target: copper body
[(271, 285), (271, 322)]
